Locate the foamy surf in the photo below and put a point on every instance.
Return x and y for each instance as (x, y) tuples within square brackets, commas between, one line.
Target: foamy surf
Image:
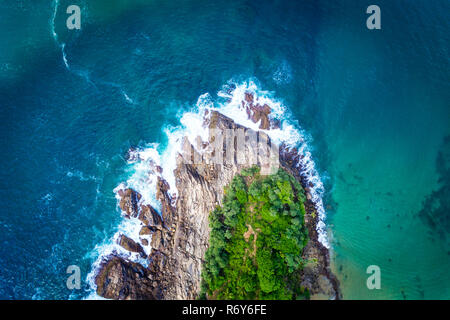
[(62, 45), (145, 161)]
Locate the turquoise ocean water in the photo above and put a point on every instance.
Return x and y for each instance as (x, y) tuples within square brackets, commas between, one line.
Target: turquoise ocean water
[(375, 105)]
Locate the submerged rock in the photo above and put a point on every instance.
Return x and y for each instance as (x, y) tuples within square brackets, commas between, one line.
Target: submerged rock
[(145, 230), (256, 112)]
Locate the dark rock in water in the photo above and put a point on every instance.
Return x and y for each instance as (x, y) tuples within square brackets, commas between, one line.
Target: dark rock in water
[(249, 97), (149, 216), (291, 157), (144, 242), (125, 280), (129, 202), (130, 245), (257, 112), (260, 113), (146, 230)]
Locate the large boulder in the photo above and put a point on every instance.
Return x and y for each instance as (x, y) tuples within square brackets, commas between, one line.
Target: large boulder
[(125, 280), (129, 200), (145, 230), (150, 217), (131, 245), (256, 112)]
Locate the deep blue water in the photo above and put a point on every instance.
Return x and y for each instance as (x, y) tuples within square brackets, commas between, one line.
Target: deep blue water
[(376, 104)]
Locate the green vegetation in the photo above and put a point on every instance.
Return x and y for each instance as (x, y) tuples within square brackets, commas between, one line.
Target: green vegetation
[(256, 240)]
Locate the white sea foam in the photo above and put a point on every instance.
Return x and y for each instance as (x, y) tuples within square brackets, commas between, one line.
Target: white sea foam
[(80, 176), (63, 50), (52, 23), (127, 98), (61, 45), (143, 162)]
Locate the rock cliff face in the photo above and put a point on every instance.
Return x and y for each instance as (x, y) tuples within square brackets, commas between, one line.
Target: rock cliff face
[(317, 276), (179, 240)]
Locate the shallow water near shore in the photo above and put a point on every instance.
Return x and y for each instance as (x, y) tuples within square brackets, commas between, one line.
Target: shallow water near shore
[(374, 105)]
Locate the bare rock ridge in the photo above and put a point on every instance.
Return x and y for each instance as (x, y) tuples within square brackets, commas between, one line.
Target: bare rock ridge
[(180, 235)]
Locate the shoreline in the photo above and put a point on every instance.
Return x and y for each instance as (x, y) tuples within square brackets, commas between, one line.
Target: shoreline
[(311, 221)]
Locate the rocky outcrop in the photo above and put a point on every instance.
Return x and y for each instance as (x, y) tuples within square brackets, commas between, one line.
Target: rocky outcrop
[(130, 245), (180, 239), (129, 202), (256, 112), (125, 280), (150, 217), (316, 275)]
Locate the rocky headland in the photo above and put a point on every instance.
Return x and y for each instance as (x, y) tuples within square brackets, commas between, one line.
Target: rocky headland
[(178, 235)]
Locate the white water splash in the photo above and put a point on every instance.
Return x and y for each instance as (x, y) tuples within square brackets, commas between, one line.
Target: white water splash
[(62, 45)]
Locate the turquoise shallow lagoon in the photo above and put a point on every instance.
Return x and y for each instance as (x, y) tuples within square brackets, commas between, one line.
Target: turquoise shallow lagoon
[(374, 103)]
